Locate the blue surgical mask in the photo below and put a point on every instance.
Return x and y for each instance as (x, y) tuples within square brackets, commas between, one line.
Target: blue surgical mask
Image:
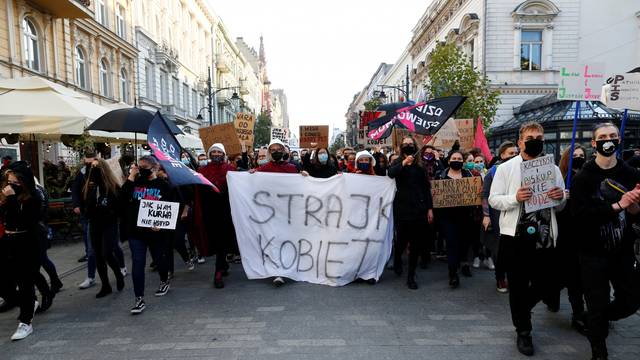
[(323, 158), (186, 161), (262, 162), (479, 166)]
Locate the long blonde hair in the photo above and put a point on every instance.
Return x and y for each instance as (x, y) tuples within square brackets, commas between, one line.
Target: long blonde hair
[(110, 181)]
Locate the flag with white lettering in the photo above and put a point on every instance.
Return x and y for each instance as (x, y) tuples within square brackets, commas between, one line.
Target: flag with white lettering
[(168, 151), (424, 118)]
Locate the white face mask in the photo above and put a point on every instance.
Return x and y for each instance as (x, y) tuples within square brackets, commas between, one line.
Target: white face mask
[(203, 162), (262, 161)]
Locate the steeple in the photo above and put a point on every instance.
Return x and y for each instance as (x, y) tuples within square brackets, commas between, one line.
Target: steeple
[(262, 57)]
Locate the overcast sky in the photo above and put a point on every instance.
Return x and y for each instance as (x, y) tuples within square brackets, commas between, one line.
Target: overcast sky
[(322, 52)]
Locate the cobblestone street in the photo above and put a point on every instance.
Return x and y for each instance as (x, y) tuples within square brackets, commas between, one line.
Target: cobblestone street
[(252, 320)]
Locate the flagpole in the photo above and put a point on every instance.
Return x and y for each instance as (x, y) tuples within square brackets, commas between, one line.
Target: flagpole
[(573, 142), (624, 122)]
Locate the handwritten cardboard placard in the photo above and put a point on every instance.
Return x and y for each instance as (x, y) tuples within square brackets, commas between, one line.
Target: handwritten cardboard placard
[(466, 133), (367, 142), (539, 175), (581, 82), (457, 192), (281, 134), (318, 134), (446, 136), (224, 134), (158, 214), (398, 134), (244, 124), (622, 91)]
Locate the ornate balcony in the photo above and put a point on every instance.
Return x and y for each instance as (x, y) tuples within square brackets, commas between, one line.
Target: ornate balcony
[(68, 9)]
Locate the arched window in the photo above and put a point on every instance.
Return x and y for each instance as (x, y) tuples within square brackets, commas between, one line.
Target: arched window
[(124, 86), (31, 45), (104, 78), (81, 69)]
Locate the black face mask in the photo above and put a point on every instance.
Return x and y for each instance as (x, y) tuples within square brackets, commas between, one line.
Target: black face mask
[(239, 163), (607, 147), (277, 155), (87, 168), (145, 173), (408, 150), (96, 174), (285, 157), (16, 188), (578, 162), (455, 165), (533, 147)]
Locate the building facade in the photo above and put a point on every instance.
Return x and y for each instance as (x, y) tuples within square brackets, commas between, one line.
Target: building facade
[(521, 45), (84, 45)]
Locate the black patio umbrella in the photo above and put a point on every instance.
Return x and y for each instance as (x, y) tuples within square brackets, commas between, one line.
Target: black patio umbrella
[(134, 120)]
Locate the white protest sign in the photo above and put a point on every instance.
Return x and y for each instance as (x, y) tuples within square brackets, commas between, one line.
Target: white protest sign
[(281, 134), (622, 91), (324, 231), (158, 214), (581, 82), (539, 175)]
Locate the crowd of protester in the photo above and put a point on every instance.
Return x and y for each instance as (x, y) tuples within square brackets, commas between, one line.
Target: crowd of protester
[(585, 243)]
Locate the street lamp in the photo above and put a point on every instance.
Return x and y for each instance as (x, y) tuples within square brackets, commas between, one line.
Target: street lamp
[(210, 96)]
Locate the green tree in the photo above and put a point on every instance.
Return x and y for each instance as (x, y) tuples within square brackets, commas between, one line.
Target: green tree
[(372, 104), (451, 73), (262, 131), (338, 143)]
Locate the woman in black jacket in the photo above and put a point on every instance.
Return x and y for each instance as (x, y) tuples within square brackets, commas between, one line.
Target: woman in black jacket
[(456, 223), (413, 207), (101, 200), (20, 210), (320, 165)]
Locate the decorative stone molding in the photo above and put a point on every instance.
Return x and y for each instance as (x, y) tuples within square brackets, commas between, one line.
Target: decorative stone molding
[(536, 11)]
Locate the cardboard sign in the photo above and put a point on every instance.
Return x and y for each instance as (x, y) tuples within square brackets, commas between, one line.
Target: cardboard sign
[(540, 175), (281, 134), (457, 192), (622, 91), (318, 134), (446, 136), (158, 214), (244, 124), (399, 134), (581, 82), (367, 142), (224, 134), (467, 135)]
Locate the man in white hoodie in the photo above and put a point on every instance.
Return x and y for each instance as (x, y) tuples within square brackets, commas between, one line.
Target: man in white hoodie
[(528, 240)]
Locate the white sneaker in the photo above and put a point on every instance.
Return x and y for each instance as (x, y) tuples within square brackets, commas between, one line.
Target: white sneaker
[(190, 265), (201, 260), (476, 263), (87, 283), (488, 263), (124, 271), (22, 332)]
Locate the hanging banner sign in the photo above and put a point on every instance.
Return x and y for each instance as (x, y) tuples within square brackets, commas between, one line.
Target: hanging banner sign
[(581, 82), (622, 91), (457, 192), (324, 231), (539, 175), (158, 214), (281, 134), (368, 116)]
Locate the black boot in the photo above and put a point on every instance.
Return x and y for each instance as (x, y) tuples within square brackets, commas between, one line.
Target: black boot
[(454, 280), (525, 343), (104, 291), (579, 322), (119, 282), (599, 351), (411, 282), (56, 285), (47, 301)]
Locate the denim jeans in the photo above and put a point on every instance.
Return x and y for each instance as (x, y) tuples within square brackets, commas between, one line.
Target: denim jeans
[(138, 248), (88, 248)]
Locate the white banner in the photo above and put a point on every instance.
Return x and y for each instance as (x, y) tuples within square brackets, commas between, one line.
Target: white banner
[(324, 231), (539, 175), (622, 91), (281, 134), (158, 214)]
